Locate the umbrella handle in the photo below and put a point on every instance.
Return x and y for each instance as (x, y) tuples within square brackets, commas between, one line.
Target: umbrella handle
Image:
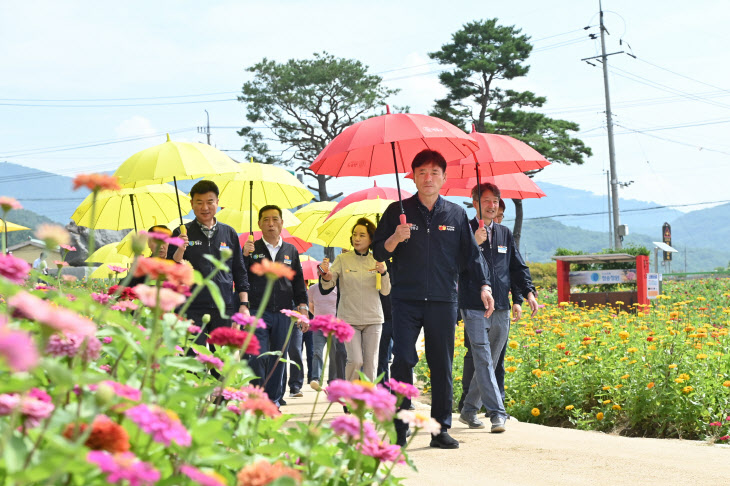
[(403, 219), (481, 223)]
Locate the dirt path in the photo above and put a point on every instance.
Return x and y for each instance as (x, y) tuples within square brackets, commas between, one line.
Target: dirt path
[(528, 455)]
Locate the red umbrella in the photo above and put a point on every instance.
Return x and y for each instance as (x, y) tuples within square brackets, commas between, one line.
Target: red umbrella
[(385, 144), (309, 268), (511, 186), (299, 243), (374, 192)]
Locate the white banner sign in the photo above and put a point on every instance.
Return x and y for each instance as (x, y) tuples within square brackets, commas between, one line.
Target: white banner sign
[(602, 277), (652, 284)]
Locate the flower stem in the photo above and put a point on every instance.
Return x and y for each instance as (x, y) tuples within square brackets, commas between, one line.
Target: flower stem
[(153, 335), (324, 368)]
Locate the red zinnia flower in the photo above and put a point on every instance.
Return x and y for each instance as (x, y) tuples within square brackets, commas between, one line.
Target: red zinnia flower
[(106, 435), (235, 338)]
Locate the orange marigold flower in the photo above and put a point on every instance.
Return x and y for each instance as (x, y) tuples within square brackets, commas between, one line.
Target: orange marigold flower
[(624, 377), (97, 182), (273, 270), (599, 415), (263, 473), (168, 270), (687, 389), (650, 385), (535, 412), (106, 435), (726, 384)]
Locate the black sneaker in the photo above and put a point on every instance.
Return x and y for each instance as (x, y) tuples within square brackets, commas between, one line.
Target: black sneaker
[(295, 393), (282, 402), (444, 441)]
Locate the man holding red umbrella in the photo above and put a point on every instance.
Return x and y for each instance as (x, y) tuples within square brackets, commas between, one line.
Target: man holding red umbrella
[(427, 254)]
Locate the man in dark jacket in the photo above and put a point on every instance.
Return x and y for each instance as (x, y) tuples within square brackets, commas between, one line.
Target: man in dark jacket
[(206, 236), (428, 253), (285, 295), (488, 336)]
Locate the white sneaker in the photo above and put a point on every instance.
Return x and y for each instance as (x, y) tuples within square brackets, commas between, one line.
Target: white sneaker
[(314, 385)]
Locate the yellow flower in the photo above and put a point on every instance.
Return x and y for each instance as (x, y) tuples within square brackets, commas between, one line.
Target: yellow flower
[(511, 369), (599, 415), (535, 412), (625, 376), (679, 380), (672, 366), (684, 376), (606, 402), (623, 335), (701, 356), (616, 407), (514, 344), (632, 350), (687, 389), (606, 388), (569, 407)]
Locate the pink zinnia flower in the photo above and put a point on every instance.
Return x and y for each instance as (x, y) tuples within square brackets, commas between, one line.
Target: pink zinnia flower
[(248, 321), (17, 348), (420, 421), (405, 390), (7, 203), (211, 361), (106, 368), (101, 298), (169, 299), (70, 345), (106, 340), (34, 406), (330, 325), (124, 466), (260, 406), (121, 390), (193, 329), (68, 247), (116, 268), (60, 263), (163, 425), (381, 451), (124, 305), (360, 396), (204, 479), (725, 437), (349, 426), (14, 269), (295, 315), (58, 318)]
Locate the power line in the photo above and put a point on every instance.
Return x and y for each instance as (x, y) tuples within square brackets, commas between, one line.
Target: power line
[(89, 100), (120, 105)]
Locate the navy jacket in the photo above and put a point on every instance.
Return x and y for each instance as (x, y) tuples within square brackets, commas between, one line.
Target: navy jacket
[(427, 266), (508, 272), (287, 293), (200, 245)]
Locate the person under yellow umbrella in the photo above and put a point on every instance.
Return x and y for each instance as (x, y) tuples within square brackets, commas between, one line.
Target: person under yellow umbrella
[(336, 230)]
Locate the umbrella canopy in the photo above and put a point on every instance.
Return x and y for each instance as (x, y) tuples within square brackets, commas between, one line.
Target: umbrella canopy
[(497, 155), (309, 267), (374, 192), (124, 247), (10, 227), (240, 220), (511, 186), (300, 244), (109, 254), (173, 161), (139, 207), (337, 230), (312, 216), (387, 144)]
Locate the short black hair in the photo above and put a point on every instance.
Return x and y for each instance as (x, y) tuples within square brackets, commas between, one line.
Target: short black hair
[(269, 207), (165, 229), (203, 187), (428, 156), (501, 205), (485, 186)]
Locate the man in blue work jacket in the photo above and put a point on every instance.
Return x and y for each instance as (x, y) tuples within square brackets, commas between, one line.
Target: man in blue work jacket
[(488, 336), (428, 253)]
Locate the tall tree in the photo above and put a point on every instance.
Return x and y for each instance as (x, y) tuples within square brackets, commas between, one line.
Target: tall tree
[(482, 55), (304, 104)]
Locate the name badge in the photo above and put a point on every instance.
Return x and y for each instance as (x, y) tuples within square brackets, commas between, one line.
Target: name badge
[(287, 259), (501, 249)]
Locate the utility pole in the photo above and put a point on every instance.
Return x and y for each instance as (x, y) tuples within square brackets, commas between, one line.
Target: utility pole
[(611, 148), (610, 219), (206, 129)]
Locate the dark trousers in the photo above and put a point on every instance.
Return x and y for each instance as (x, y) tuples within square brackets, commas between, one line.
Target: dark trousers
[(269, 369), (438, 320), (386, 348), (294, 354), (337, 361), (307, 341)]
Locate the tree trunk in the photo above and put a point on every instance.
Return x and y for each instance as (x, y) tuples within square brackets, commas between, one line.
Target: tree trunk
[(517, 230)]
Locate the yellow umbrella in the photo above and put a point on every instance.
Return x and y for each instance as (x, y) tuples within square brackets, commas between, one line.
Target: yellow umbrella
[(105, 272), (124, 247), (255, 185), (131, 208), (173, 161), (8, 227), (336, 231), (240, 220), (109, 254), (312, 216)]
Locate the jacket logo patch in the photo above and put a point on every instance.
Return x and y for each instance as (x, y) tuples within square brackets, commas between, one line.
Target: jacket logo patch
[(446, 228), (414, 227), (195, 243), (257, 256)]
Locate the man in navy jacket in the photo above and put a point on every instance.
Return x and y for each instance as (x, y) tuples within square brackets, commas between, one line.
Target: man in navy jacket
[(285, 295), (428, 252), (206, 236), (488, 336)]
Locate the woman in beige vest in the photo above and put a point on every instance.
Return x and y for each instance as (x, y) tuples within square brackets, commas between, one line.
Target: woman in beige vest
[(361, 279)]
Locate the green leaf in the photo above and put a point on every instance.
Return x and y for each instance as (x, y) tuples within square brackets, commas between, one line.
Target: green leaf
[(215, 292)]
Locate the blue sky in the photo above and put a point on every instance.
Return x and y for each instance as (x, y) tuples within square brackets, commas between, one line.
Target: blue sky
[(132, 60)]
